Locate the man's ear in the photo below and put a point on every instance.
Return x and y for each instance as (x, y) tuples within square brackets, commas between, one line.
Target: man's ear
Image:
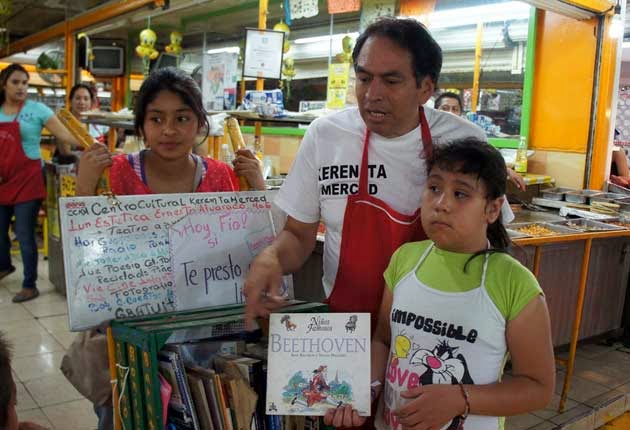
[(425, 90), (493, 209)]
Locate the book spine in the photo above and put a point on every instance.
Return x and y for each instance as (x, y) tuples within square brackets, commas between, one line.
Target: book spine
[(136, 383), (152, 387), (180, 374), (122, 373)]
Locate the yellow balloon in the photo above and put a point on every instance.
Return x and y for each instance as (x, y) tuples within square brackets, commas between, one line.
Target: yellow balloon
[(402, 346), (286, 46)]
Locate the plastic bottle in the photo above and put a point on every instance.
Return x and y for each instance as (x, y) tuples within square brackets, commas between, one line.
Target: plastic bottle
[(520, 164), (226, 154)]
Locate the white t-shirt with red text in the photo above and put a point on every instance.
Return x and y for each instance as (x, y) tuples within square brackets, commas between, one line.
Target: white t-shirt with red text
[(326, 171)]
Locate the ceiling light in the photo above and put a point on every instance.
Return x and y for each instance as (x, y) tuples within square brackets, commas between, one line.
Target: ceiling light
[(324, 38), (228, 49), (506, 11)]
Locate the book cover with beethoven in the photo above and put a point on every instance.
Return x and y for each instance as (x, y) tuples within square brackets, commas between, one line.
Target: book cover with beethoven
[(317, 362)]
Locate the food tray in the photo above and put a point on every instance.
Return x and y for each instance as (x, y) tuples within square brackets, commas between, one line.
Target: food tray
[(555, 229), (624, 204), (618, 223), (513, 234), (575, 197), (587, 225), (556, 193), (606, 197)]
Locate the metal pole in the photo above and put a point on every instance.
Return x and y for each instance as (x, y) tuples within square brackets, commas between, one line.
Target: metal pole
[(330, 40), (593, 121)]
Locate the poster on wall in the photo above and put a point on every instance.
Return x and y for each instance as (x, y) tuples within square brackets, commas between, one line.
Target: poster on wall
[(263, 54), (338, 74), (220, 75)]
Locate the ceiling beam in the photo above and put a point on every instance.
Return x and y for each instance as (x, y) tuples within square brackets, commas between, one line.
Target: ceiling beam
[(82, 21)]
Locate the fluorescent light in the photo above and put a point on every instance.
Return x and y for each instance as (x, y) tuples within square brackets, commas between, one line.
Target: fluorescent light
[(626, 44), (315, 39), (228, 49), (616, 27), (562, 8), (507, 11)]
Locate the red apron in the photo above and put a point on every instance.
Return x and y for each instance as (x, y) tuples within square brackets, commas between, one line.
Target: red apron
[(22, 179), (372, 231)]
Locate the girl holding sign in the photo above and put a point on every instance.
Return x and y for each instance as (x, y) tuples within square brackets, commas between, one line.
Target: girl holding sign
[(170, 117)]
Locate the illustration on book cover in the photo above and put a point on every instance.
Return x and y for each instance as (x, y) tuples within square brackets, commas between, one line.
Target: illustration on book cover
[(317, 362)]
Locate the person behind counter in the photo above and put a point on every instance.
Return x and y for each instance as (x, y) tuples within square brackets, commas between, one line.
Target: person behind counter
[(449, 102), (462, 277), (369, 207), (169, 116), (82, 99), (21, 179)]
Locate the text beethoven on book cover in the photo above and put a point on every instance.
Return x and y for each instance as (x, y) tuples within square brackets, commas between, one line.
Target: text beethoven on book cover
[(317, 362)]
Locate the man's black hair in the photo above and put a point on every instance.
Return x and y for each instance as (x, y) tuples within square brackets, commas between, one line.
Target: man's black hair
[(412, 36), (449, 95)]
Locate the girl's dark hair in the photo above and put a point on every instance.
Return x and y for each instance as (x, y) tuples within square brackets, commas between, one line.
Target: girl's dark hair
[(412, 36), (4, 77), (85, 87), (449, 95), (473, 157), (176, 81)]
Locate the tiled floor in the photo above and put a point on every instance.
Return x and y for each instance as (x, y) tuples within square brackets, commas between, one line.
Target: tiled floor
[(39, 333), (600, 389)]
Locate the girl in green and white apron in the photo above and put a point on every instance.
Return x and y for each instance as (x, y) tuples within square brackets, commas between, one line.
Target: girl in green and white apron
[(453, 308)]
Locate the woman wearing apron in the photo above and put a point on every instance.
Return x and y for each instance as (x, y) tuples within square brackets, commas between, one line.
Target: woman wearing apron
[(82, 99), (21, 180)]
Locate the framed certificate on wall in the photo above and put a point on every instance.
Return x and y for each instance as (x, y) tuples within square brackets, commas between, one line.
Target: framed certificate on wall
[(263, 53)]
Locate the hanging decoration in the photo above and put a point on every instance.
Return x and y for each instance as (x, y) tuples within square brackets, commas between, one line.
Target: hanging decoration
[(175, 46), (5, 13), (281, 26), (372, 10), (416, 8), (287, 11), (343, 6), (347, 44), (146, 50), (88, 49), (303, 8), (288, 65)]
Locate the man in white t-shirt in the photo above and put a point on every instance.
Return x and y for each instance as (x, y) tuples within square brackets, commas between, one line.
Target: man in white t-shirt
[(397, 65)]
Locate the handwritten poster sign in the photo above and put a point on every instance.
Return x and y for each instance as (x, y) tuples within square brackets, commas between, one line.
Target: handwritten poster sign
[(214, 271), (120, 261)]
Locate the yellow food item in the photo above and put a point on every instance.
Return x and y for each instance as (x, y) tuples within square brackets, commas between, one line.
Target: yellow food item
[(536, 230), (236, 137), (75, 127)]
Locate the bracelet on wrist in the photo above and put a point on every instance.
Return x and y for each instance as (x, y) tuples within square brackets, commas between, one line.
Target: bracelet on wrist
[(373, 386), (466, 397)]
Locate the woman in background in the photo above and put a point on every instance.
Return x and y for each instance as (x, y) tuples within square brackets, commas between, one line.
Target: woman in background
[(83, 99), (21, 180)]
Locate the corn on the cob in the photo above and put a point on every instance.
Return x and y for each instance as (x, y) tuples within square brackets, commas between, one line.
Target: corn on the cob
[(80, 133), (237, 143)]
